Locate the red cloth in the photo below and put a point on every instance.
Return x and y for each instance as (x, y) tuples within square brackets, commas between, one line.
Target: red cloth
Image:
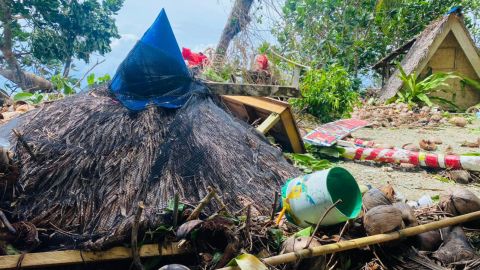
[(194, 59), (262, 62)]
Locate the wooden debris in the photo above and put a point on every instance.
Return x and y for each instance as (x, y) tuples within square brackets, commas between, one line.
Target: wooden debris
[(427, 145), (251, 109), (365, 241), (252, 90), (70, 257), (196, 212)]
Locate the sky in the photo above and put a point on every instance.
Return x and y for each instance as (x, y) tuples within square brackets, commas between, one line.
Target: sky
[(196, 24)]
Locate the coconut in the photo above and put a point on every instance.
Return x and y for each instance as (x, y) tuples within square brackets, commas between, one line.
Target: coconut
[(459, 201), (458, 121), (382, 219), (294, 244), (408, 216), (374, 197), (455, 249), (429, 241), (459, 176), (427, 145)]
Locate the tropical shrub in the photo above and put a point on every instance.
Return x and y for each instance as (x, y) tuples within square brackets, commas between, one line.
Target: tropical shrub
[(417, 91), (328, 93)]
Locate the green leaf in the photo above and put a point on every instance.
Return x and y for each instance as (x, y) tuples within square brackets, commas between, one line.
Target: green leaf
[(305, 232), (473, 154), (425, 99), (91, 79), (247, 262), (22, 96)]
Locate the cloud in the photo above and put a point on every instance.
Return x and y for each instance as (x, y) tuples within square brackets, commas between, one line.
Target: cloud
[(124, 38)]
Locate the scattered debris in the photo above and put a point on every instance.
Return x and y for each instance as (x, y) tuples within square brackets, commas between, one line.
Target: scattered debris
[(427, 145)]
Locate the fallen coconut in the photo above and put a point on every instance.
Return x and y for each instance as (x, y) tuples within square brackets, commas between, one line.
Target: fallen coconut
[(460, 176), (429, 241), (455, 249), (459, 201), (458, 121), (408, 216), (294, 244), (382, 219), (427, 145), (374, 197)]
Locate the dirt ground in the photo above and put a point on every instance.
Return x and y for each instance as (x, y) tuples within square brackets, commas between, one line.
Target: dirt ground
[(413, 183)]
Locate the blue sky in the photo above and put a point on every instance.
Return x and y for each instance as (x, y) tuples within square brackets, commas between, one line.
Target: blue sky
[(196, 24)]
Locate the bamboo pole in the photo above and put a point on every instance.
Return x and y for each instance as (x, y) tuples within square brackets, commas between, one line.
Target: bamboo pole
[(365, 241), (70, 257)]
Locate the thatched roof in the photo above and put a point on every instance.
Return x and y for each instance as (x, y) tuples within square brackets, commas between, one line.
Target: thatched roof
[(425, 47), (94, 160)]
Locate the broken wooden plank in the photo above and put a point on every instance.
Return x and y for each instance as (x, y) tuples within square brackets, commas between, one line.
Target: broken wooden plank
[(252, 90), (284, 131), (70, 257), (271, 121)]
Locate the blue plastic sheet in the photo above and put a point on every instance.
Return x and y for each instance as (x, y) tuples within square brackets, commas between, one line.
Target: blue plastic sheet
[(154, 71)]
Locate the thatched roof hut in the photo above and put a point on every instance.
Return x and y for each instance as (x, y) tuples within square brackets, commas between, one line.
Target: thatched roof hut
[(445, 45), (92, 160)]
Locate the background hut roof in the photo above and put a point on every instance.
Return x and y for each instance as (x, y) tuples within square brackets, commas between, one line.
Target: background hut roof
[(425, 47)]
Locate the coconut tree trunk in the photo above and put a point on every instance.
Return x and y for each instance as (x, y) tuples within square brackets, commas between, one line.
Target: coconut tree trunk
[(237, 20)]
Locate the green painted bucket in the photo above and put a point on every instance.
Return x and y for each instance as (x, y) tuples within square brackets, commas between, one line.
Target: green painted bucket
[(306, 198)]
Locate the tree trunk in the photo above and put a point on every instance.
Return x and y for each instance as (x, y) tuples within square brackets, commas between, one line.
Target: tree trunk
[(66, 69), (237, 20), (30, 83), (26, 81)]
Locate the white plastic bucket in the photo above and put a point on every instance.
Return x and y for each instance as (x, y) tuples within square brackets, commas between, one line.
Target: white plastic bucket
[(306, 198)]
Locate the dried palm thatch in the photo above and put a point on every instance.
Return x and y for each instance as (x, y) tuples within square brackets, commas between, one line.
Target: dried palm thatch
[(426, 45), (94, 160)]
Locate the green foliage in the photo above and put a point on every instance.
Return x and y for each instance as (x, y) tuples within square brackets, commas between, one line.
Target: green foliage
[(247, 262), (417, 91), (357, 33), (91, 80), (62, 84), (309, 163), (32, 98), (48, 35), (277, 237), (327, 93)]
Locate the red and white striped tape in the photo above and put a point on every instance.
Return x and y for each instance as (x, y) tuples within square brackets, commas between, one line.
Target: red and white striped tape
[(423, 159)]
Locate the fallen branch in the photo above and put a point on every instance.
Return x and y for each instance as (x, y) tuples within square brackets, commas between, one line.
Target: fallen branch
[(196, 212), (365, 241)]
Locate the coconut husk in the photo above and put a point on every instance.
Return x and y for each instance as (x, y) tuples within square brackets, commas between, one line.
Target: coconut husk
[(459, 176), (408, 215), (458, 121), (293, 244), (459, 201), (455, 249), (94, 160), (427, 145), (382, 219), (374, 197), (429, 241)]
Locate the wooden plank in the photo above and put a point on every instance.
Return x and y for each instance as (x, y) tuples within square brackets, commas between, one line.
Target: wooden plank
[(466, 43), (70, 257), (271, 121), (264, 104), (286, 131), (252, 89), (292, 132)]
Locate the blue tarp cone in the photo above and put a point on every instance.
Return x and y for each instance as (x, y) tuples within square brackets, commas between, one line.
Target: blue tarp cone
[(154, 71)]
